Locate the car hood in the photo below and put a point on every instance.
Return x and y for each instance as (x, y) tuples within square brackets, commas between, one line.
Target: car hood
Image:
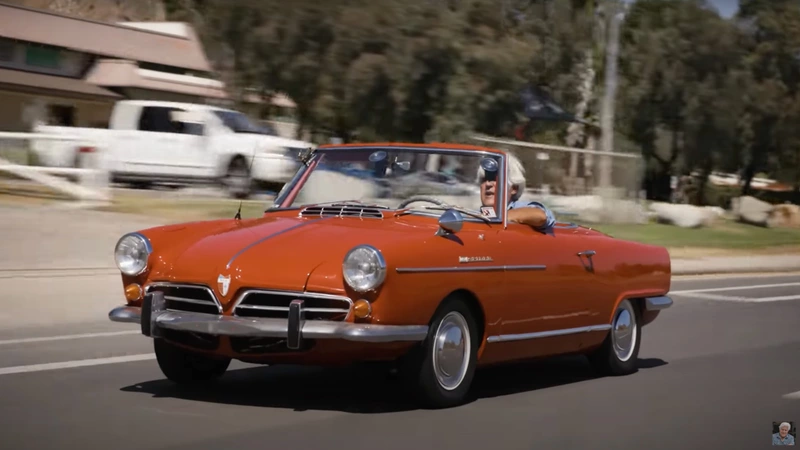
[(274, 252)]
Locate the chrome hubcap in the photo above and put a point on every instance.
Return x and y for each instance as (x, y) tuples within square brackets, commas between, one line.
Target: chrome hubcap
[(623, 331), (451, 351)]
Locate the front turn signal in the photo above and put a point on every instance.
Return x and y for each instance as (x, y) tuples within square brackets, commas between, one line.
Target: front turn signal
[(362, 309), (133, 292)]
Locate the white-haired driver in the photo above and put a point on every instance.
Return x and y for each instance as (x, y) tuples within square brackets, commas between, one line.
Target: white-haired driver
[(533, 214), (782, 437)]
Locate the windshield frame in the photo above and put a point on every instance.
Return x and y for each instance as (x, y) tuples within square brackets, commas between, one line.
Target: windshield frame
[(290, 189)]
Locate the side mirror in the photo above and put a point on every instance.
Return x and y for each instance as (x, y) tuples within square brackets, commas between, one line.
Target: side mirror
[(450, 222)]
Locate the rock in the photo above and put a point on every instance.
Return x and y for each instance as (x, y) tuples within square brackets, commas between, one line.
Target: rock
[(784, 216), (752, 211), (592, 208), (328, 186), (684, 216)]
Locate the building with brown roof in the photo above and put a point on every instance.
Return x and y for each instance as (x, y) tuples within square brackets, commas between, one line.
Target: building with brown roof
[(69, 71)]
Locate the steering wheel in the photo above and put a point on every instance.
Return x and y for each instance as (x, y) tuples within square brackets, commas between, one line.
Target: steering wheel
[(420, 198)]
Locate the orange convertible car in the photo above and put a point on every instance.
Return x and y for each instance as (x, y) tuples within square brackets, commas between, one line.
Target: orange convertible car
[(389, 252)]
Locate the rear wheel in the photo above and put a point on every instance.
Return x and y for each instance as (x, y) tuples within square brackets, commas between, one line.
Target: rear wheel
[(440, 371), (620, 350), (185, 367)]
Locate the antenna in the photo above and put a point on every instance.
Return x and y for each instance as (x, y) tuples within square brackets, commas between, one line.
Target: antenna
[(238, 215)]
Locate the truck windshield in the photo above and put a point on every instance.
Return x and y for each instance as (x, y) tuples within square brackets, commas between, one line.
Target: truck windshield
[(240, 123)]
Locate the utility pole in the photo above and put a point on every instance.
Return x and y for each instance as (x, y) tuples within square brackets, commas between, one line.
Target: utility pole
[(614, 15)]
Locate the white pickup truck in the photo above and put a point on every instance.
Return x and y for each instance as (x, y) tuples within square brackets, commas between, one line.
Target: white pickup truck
[(179, 143)]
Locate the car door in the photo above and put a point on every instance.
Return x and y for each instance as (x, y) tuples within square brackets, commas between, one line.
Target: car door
[(548, 283), (163, 148)]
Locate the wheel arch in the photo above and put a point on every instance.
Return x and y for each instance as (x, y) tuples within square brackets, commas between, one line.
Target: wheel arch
[(474, 304)]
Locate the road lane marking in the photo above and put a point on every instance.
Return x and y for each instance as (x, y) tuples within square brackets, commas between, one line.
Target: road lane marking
[(726, 298), (77, 363), (735, 288), (68, 337), (792, 396)]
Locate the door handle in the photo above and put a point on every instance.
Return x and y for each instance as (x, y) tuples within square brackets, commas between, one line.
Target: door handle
[(588, 254)]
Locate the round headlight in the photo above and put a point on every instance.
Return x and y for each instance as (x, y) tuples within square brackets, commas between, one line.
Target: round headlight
[(364, 268), (131, 254)]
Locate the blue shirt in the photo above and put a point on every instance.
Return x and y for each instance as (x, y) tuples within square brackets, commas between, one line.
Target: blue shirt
[(551, 220), (788, 440)]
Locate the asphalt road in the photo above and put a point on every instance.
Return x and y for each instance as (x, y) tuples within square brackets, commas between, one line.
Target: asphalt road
[(716, 370)]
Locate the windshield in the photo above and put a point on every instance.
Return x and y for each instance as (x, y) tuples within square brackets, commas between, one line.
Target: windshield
[(391, 177), (240, 123)]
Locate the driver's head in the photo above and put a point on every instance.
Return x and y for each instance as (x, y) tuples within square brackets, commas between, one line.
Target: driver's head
[(516, 181)]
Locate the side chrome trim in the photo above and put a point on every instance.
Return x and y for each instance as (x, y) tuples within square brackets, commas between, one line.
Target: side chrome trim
[(215, 302), (258, 327), (270, 236), (546, 334), (657, 303), (468, 269)]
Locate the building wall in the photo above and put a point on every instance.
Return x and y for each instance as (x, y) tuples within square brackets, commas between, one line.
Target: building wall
[(20, 110)]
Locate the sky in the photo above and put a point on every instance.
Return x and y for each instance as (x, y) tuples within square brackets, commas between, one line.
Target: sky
[(726, 8)]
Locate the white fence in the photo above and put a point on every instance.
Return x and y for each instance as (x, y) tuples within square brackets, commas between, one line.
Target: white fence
[(92, 186)]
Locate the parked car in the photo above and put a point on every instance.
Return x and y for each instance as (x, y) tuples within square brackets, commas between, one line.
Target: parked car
[(424, 282), (149, 141)]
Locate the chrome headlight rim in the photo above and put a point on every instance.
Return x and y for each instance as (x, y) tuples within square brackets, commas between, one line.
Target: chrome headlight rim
[(148, 248), (380, 273)]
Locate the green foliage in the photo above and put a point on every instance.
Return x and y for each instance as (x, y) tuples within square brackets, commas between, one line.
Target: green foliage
[(696, 91)]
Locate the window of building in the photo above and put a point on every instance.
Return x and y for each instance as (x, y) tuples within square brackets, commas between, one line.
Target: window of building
[(61, 115), (38, 56), (7, 50)]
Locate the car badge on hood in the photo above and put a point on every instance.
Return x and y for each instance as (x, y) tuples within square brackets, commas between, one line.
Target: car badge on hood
[(223, 283)]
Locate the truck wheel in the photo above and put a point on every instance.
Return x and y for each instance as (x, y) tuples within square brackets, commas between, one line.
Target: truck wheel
[(237, 180), (185, 367), (620, 350), (440, 371)]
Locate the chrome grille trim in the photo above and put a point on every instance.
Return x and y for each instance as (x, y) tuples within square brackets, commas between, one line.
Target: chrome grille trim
[(213, 301), (342, 211), (240, 303)]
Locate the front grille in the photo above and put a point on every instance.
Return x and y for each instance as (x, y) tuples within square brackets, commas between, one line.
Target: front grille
[(187, 297), (342, 211), (275, 305)]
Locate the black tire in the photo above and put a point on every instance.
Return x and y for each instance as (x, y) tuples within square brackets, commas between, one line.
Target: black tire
[(185, 367), (609, 358), (419, 368), (237, 179)]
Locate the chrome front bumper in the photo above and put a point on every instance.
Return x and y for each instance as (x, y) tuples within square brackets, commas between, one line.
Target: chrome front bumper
[(657, 303), (153, 316)]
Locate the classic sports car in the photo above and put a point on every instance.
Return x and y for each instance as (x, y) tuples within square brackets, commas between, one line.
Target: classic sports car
[(438, 289)]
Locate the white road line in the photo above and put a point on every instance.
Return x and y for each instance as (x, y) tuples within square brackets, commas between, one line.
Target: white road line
[(792, 396), (726, 298), (68, 337), (78, 363), (736, 288)]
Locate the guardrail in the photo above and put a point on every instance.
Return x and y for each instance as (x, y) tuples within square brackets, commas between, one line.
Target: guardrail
[(93, 177)]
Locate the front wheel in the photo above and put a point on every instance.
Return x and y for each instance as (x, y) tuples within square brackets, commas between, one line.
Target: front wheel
[(620, 350), (440, 371), (185, 367)]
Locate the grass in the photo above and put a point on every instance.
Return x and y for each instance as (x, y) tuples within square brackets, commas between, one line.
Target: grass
[(185, 209), (725, 238)]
